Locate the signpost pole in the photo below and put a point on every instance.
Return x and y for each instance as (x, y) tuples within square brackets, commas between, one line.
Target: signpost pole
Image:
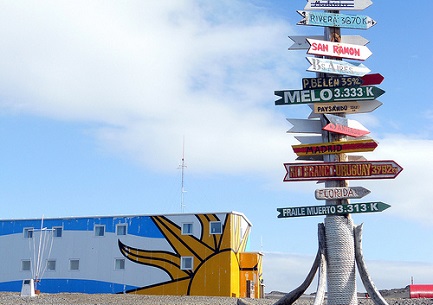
[(341, 274)]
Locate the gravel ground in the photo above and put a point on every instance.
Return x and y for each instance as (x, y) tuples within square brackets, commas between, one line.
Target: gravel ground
[(128, 299)]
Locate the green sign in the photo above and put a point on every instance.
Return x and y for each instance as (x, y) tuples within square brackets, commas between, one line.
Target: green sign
[(339, 94), (338, 209)]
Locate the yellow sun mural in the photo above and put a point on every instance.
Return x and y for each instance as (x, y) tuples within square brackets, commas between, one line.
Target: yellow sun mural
[(216, 268)]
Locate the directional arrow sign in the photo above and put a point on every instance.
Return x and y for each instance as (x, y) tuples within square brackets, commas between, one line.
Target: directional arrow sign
[(354, 192), (301, 43), (337, 147), (341, 170), (349, 81), (340, 67), (305, 126), (345, 130), (338, 49), (372, 79), (290, 97), (347, 107), (336, 20), (336, 5), (335, 209)]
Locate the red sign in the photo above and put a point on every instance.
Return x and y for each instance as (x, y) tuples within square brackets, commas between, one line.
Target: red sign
[(341, 170), (337, 147), (345, 130), (372, 79)]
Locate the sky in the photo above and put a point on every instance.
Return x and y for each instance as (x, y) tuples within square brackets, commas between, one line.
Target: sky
[(100, 100)]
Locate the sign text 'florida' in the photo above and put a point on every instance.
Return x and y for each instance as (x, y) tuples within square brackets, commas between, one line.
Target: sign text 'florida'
[(341, 170)]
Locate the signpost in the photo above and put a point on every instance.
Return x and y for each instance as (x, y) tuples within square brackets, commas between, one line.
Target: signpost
[(301, 43), (337, 147), (347, 107), (290, 97), (338, 49), (333, 82), (341, 170), (336, 209), (331, 193), (339, 67), (360, 22), (355, 5)]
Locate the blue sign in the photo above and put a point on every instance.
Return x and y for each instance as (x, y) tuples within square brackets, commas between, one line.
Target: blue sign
[(336, 20)]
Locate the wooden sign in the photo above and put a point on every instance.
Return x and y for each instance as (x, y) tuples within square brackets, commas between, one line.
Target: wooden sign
[(331, 193), (336, 147), (341, 170), (348, 81), (359, 22), (336, 5), (301, 43), (338, 49), (322, 65), (305, 126), (347, 107), (334, 209), (290, 97)]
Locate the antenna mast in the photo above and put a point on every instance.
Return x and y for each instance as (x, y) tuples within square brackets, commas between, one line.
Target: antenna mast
[(182, 166)]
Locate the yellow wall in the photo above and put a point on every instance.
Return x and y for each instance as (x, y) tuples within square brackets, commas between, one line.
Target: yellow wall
[(220, 263)]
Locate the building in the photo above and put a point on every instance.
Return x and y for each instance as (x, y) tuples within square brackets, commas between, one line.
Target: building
[(178, 254)]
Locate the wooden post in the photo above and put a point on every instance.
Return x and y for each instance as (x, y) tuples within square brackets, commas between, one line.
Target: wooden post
[(340, 253)]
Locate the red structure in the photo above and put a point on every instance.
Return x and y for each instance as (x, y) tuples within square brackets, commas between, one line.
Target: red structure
[(421, 291)]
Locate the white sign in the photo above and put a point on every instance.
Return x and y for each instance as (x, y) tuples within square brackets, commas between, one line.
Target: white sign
[(353, 5), (305, 126), (338, 49), (341, 193), (340, 67)]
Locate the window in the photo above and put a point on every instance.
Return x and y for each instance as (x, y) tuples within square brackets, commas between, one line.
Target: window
[(25, 265), (99, 230), (186, 263), (51, 265), (74, 264), (215, 227), (187, 229), (57, 231), (28, 232), (121, 229), (119, 264)]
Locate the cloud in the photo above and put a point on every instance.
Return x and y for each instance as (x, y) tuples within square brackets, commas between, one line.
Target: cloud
[(148, 74)]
